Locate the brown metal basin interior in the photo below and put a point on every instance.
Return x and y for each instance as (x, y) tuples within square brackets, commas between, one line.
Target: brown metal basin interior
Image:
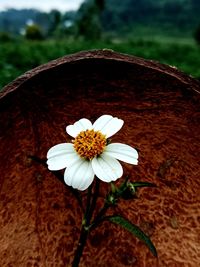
[(39, 217)]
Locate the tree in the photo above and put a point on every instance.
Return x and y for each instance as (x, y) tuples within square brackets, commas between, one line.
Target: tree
[(197, 35), (88, 19), (33, 32), (55, 18)]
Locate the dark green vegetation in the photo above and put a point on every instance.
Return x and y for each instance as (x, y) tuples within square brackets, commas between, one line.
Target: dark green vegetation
[(18, 57), (116, 16), (162, 30), (163, 14)]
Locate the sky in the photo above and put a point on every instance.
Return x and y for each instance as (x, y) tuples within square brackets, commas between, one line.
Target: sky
[(44, 5)]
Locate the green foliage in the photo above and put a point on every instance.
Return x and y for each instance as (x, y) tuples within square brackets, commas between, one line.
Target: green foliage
[(97, 16), (135, 230), (5, 37), (131, 189), (141, 184), (163, 14), (197, 35), (22, 55), (55, 20), (88, 20), (33, 32)]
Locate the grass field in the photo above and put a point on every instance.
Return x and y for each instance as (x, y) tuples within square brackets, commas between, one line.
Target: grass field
[(20, 56)]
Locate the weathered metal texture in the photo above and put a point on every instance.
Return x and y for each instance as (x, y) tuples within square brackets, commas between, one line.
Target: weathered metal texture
[(39, 216)]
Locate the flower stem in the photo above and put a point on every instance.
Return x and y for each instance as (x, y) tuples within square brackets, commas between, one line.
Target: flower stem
[(84, 231), (94, 200), (100, 216), (90, 207), (80, 247), (88, 204)]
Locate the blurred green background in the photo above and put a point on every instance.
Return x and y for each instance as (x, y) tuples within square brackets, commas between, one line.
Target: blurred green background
[(167, 31)]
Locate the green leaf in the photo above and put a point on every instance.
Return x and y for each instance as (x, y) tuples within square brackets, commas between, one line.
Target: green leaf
[(142, 184), (135, 230)]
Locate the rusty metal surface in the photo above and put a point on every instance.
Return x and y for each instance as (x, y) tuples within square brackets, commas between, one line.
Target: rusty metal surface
[(39, 217)]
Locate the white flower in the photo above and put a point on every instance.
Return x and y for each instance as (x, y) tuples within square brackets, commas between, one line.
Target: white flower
[(89, 154)]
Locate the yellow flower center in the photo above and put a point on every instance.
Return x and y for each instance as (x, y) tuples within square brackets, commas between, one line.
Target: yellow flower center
[(89, 144)]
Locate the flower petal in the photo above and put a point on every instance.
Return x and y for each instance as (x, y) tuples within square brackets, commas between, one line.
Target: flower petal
[(79, 175), (108, 125), (122, 152), (60, 156), (58, 149), (107, 168), (77, 127)]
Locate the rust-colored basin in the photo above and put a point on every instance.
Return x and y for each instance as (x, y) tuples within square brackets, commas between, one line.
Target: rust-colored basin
[(39, 216)]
